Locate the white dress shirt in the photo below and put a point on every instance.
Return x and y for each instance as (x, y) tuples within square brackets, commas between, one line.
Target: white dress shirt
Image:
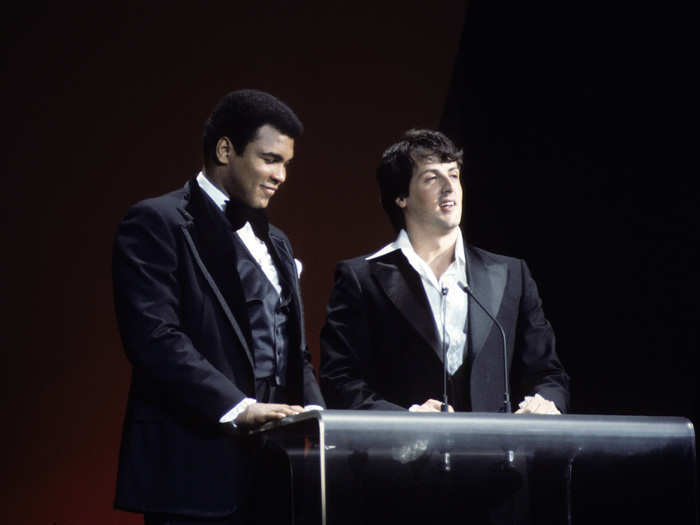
[(455, 299)]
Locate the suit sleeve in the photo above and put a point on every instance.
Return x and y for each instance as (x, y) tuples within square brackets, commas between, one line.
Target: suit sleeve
[(535, 364), (346, 372), (150, 316)]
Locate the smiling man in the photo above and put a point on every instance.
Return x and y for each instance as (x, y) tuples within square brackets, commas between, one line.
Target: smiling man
[(390, 313), (209, 308)]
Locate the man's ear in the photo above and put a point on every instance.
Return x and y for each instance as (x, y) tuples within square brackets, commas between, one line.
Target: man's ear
[(400, 202), (224, 150)]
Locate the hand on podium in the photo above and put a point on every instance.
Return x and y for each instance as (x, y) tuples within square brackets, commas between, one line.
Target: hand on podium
[(431, 405), (536, 405), (259, 413)]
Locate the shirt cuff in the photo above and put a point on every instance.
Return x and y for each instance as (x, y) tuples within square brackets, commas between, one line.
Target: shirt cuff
[(231, 415)]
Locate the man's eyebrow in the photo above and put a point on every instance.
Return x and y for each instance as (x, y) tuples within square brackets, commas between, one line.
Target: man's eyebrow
[(433, 171), (436, 171), (275, 156)]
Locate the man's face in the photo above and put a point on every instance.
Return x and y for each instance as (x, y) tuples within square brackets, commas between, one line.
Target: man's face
[(434, 200), (254, 176)]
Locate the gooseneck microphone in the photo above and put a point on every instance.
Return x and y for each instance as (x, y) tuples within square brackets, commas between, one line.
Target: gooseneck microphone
[(445, 406), (506, 392)]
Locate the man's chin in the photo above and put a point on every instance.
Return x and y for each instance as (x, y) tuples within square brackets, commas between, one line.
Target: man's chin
[(451, 225), (260, 204), (451, 229)]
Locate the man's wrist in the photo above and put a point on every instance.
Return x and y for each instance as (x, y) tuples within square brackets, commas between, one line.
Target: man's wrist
[(231, 416)]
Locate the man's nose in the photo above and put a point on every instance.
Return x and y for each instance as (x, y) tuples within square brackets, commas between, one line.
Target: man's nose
[(280, 174), (447, 185)]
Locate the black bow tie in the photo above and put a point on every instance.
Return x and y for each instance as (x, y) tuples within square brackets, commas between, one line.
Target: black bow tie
[(238, 214)]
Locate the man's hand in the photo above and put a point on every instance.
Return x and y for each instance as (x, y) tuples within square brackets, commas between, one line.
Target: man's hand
[(431, 405), (536, 405), (259, 413)]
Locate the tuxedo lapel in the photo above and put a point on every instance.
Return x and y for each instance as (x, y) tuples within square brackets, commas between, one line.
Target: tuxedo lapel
[(403, 287), (283, 260), (287, 270), (209, 236), (488, 282)]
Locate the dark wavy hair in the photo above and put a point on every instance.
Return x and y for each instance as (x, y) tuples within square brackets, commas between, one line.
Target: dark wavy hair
[(398, 160), (239, 114)]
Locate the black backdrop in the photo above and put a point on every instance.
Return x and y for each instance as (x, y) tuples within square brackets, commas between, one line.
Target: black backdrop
[(575, 124)]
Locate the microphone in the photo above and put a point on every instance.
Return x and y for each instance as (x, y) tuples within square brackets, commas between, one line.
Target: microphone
[(506, 392), (446, 463), (444, 406)]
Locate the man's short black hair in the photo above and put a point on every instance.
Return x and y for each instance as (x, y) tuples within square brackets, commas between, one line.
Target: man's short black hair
[(398, 160), (238, 116)]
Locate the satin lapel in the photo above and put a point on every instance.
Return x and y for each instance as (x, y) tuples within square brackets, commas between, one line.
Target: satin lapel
[(488, 282), (287, 270), (283, 260), (403, 287), (209, 237)]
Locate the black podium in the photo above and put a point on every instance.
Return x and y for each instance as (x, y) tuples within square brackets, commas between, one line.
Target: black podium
[(337, 467)]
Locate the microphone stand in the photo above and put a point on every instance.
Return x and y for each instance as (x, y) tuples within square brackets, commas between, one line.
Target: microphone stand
[(508, 464), (446, 460), (445, 405), (506, 391)]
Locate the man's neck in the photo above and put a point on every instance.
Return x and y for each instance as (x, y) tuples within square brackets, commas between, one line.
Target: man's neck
[(436, 249)]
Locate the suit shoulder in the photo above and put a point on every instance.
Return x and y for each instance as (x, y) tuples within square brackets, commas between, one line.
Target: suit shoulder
[(363, 265), (355, 263), (491, 257), (168, 205)]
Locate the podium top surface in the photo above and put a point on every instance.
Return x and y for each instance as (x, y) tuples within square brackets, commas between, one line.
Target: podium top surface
[(473, 430), (581, 425)]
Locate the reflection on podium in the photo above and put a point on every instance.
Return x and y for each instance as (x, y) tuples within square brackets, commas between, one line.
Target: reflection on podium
[(366, 467)]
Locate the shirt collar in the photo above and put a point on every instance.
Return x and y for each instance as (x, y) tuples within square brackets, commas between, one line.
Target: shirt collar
[(214, 193), (403, 243)]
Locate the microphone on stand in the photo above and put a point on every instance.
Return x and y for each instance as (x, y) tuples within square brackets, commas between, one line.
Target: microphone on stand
[(446, 461), (506, 392), (445, 405), (508, 465)]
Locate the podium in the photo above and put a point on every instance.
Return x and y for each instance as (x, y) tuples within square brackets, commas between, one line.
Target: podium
[(364, 467)]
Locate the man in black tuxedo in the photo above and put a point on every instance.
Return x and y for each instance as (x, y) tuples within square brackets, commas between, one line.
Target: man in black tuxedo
[(389, 313), (208, 304)]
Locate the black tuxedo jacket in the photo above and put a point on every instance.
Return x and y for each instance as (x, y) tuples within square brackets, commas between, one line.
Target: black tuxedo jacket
[(380, 348), (184, 325)]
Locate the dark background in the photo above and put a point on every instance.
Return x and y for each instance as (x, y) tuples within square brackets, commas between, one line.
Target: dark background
[(577, 132)]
